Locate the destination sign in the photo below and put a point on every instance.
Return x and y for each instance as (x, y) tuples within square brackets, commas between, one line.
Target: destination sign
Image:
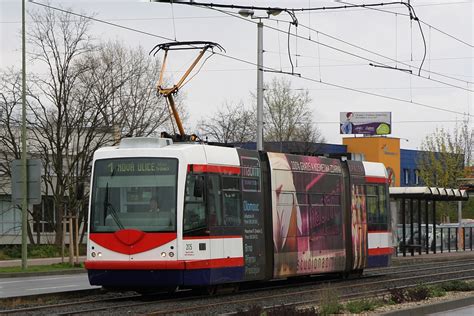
[(136, 166)]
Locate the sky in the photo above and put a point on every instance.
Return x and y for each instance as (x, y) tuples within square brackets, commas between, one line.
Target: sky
[(331, 52)]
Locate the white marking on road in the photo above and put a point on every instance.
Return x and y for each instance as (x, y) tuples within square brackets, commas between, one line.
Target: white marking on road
[(53, 287)]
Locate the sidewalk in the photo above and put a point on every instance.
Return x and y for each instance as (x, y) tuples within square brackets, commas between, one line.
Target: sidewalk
[(37, 262)]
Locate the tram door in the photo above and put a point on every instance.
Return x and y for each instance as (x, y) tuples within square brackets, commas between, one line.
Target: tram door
[(223, 198), (196, 242)]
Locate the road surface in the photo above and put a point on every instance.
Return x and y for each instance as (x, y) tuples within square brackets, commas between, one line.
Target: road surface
[(32, 285)]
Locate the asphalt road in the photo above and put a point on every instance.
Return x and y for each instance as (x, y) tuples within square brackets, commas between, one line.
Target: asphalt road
[(23, 286)]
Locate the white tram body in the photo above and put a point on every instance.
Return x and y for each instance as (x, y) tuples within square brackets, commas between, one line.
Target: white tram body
[(228, 215)]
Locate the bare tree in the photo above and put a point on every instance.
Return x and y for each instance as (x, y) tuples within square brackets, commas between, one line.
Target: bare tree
[(10, 133), (120, 82), (57, 41), (90, 96), (230, 124), (287, 114)]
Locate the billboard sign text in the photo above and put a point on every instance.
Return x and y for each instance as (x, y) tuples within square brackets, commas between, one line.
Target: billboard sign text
[(367, 123)]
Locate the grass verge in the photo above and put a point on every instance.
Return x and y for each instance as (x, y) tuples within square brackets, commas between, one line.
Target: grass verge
[(42, 268)]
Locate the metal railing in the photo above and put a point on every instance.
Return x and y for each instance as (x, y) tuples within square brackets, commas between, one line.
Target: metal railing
[(447, 239)]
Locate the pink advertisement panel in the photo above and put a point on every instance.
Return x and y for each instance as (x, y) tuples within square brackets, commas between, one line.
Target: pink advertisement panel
[(307, 212)]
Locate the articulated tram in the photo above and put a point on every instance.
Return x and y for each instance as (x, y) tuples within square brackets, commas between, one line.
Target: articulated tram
[(166, 214)]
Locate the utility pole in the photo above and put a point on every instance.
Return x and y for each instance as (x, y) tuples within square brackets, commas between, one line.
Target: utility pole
[(24, 167), (260, 85)]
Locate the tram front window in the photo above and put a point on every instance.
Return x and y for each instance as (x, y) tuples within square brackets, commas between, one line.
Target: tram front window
[(134, 193)]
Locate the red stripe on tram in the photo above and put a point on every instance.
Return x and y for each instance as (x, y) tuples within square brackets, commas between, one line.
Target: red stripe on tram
[(214, 169), (165, 264), (376, 180), (380, 251)]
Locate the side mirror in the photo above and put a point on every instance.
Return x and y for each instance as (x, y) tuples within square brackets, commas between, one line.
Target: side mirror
[(198, 187)]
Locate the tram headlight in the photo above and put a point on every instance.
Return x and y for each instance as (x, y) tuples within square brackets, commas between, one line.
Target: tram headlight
[(99, 254), (163, 254), (171, 254), (93, 254)]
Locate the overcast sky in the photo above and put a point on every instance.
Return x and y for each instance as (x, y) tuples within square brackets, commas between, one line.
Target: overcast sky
[(332, 53)]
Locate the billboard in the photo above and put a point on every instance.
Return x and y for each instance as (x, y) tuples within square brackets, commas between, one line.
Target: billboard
[(368, 123)]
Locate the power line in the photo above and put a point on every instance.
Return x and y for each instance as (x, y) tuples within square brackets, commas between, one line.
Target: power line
[(421, 21), (380, 55), (384, 96), (364, 64), (265, 67), (292, 12), (396, 61), (343, 51), (141, 19), (102, 21)]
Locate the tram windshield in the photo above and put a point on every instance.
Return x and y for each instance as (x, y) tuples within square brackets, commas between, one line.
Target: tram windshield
[(134, 193)]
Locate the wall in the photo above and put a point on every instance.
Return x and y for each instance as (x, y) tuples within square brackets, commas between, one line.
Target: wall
[(378, 149)]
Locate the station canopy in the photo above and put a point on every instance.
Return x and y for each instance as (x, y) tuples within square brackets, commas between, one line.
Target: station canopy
[(429, 193)]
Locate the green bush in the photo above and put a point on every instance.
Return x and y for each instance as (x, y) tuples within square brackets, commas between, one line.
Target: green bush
[(418, 293), (437, 291), (44, 251), (457, 285), (34, 251), (359, 306), (11, 251), (329, 302)]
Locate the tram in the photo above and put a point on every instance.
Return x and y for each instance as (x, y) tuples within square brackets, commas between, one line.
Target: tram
[(165, 214)]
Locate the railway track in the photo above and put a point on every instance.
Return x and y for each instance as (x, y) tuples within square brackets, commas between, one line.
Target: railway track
[(308, 290), (310, 296)]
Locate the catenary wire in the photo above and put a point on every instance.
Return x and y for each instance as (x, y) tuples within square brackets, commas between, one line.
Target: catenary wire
[(338, 49), (230, 14), (449, 76), (292, 13), (380, 55), (266, 67), (423, 22)]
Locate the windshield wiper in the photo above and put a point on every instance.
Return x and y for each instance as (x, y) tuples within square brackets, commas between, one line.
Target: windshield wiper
[(108, 206)]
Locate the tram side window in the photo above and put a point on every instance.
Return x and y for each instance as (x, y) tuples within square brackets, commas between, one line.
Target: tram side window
[(377, 207), (194, 217), (372, 204), (232, 201), (214, 200)]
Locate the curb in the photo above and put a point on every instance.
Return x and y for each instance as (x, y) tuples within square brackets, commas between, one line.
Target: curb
[(433, 308), (30, 274)]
